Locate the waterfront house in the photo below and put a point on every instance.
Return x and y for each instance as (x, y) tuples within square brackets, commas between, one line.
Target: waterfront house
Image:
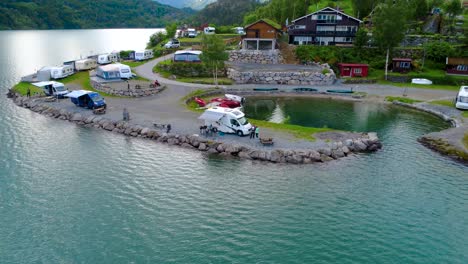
[(402, 65), (187, 56), (327, 26), (353, 69), (457, 66), (261, 35)]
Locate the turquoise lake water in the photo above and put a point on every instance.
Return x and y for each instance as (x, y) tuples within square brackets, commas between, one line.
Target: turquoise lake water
[(69, 194)]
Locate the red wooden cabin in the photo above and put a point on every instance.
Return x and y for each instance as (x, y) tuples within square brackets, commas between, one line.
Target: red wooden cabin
[(353, 69)]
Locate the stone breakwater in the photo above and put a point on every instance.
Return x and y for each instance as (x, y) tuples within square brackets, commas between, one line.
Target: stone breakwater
[(335, 150), (288, 78), (256, 56), (132, 92)]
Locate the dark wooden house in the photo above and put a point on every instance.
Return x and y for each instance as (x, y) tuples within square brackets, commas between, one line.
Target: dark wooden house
[(353, 69), (457, 66), (261, 35), (327, 26), (402, 65)]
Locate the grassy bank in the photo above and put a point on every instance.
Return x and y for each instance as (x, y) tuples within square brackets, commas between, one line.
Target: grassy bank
[(443, 102), (401, 99), (196, 80), (22, 88), (465, 140)]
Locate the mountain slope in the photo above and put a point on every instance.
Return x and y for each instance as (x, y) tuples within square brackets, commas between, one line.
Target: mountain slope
[(194, 4), (226, 12), (71, 14)]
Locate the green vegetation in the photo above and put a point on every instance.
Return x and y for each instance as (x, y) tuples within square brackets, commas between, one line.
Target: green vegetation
[(401, 99), (22, 88), (134, 64), (465, 114), (82, 79), (443, 102), (50, 14), (465, 140), (225, 12), (214, 53), (299, 132)]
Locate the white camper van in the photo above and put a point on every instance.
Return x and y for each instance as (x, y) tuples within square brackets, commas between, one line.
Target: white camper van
[(191, 33), (143, 55), (462, 98), (227, 120), (209, 30), (52, 88), (85, 64), (107, 58)]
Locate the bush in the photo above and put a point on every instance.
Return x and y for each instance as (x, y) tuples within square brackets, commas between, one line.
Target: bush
[(325, 71), (438, 51), (188, 69)]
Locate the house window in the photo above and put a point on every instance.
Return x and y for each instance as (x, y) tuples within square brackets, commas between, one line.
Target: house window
[(357, 70), (462, 68), (299, 27), (405, 65), (301, 40)]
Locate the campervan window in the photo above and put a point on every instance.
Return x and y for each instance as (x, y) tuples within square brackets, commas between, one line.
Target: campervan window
[(180, 57), (192, 57), (125, 70), (96, 97), (243, 121), (59, 88), (139, 54)]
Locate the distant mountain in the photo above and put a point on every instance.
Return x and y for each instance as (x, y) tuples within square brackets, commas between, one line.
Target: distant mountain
[(72, 14), (226, 12), (194, 4)]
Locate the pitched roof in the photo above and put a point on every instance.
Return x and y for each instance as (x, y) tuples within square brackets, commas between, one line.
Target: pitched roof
[(330, 9), (267, 21)]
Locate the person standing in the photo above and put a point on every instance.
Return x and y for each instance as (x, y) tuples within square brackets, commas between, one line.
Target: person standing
[(28, 93), (168, 128), (126, 115), (252, 132), (257, 131)]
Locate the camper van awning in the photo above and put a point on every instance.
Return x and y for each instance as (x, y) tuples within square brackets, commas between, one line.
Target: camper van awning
[(211, 116), (43, 84), (77, 93)]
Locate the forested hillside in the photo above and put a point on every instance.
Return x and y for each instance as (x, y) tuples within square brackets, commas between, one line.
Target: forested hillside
[(194, 4), (226, 12), (73, 14)]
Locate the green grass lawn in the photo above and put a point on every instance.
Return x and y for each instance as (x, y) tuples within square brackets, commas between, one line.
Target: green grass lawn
[(401, 99), (22, 88), (465, 114), (197, 80), (448, 103), (134, 64), (465, 140)]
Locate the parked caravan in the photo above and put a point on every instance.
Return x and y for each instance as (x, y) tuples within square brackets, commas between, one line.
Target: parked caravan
[(89, 99), (209, 30), (47, 73), (114, 71), (52, 88), (143, 55), (107, 58), (187, 56), (85, 64), (227, 120), (191, 33), (462, 98)]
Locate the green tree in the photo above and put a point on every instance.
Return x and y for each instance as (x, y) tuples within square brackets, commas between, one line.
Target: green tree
[(361, 39), (419, 8), (213, 53), (156, 39), (390, 19), (453, 8), (171, 30), (362, 8), (438, 51)]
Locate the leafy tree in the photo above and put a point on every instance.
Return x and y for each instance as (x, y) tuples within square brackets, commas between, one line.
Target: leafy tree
[(419, 8), (361, 38), (156, 39), (438, 51), (171, 30), (362, 8), (453, 8), (214, 53), (390, 19)]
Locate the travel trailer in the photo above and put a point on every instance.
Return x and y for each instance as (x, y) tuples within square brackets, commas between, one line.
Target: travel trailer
[(89, 99), (107, 58), (47, 73), (85, 64), (114, 71), (191, 33), (187, 56), (143, 55), (462, 98), (52, 88), (227, 120), (209, 30)]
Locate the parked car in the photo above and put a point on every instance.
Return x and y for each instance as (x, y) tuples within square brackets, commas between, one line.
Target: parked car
[(172, 44), (462, 98)]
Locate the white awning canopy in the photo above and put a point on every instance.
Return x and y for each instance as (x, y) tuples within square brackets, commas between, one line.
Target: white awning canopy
[(77, 93), (43, 84), (211, 116)]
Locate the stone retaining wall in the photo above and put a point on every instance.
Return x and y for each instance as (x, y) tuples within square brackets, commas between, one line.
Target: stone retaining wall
[(290, 78), (132, 92), (367, 143), (256, 56)]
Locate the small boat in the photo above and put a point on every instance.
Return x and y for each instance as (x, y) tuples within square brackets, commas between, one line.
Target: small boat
[(265, 89), (421, 81), (305, 89), (340, 91)]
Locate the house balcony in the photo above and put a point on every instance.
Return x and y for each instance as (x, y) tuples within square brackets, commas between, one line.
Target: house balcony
[(335, 33), (327, 21)]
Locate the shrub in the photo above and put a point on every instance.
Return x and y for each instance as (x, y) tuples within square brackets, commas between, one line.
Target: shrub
[(325, 71), (188, 69)]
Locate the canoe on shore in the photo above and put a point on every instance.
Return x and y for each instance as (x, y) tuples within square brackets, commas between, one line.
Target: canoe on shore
[(305, 89), (340, 91), (265, 89)]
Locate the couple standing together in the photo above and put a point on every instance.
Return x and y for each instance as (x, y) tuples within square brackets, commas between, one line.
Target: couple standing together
[(254, 132)]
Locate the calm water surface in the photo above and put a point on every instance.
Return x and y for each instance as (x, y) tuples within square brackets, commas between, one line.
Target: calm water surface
[(74, 195)]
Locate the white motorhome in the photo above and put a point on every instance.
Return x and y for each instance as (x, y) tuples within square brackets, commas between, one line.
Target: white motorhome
[(59, 72), (191, 33), (107, 58), (85, 64), (143, 55), (209, 30), (462, 98), (52, 88), (227, 120)]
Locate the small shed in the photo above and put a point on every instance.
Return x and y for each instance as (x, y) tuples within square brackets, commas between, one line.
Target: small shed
[(187, 56), (457, 66), (402, 65), (353, 69)]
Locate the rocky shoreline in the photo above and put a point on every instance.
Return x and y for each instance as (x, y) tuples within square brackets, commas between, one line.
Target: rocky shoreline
[(366, 142)]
